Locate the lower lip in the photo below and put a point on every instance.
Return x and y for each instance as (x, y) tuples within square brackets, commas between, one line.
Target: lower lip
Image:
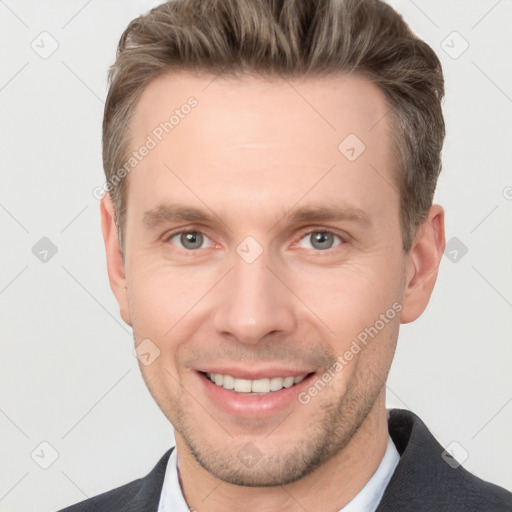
[(252, 406)]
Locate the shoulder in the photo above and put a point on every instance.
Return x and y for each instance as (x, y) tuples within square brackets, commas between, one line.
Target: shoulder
[(428, 476), (141, 495)]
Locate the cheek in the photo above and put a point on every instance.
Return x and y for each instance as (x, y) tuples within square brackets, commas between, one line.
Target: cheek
[(151, 307), (163, 299), (349, 298)]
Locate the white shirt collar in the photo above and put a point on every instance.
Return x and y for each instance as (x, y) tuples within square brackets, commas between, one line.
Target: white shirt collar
[(171, 498), (367, 500)]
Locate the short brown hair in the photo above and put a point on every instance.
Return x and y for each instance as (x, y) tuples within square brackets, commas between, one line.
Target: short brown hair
[(288, 38)]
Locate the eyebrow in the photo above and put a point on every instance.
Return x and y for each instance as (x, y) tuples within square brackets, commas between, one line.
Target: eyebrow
[(326, 213), (166, 213)]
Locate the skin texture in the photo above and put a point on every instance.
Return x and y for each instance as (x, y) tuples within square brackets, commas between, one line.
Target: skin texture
[(251, 154)]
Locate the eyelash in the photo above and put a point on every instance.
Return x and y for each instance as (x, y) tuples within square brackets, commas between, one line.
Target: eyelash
[(303, 234)]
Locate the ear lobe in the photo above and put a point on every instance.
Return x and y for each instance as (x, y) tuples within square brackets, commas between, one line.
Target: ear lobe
[(115, 265), (423, 264)]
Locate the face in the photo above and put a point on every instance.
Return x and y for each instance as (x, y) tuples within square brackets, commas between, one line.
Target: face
[(261, 243)]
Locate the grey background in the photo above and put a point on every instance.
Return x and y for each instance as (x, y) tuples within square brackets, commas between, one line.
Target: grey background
[(68, 374)]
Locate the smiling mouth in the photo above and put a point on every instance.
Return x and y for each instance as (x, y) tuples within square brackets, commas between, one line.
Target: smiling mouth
[(254, 387)]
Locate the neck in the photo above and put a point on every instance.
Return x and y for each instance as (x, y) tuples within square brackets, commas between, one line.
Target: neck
[(329, 487)]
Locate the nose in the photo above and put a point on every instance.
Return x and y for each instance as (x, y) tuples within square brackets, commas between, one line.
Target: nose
[(253, 303)]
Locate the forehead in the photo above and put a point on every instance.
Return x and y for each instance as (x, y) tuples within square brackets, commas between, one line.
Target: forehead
[(330, 105), (253, 135)]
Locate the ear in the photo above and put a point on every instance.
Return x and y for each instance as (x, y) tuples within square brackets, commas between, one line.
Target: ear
[(422, 264), (115, 265)]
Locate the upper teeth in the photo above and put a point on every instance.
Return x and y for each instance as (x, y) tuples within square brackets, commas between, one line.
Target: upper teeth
[(254, 386)]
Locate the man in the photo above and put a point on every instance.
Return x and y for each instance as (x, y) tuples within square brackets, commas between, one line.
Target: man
[(268, 226)]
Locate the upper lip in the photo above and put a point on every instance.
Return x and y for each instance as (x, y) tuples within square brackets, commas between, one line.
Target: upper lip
[(255, 373)]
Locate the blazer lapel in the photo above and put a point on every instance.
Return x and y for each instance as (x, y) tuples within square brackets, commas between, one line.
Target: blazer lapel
[(148, 496)]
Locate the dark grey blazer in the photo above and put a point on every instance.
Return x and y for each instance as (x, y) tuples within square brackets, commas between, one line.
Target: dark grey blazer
[(422, 482)]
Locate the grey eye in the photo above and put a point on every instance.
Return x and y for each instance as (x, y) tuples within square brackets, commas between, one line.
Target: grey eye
[(320, 240), (190, 240)]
